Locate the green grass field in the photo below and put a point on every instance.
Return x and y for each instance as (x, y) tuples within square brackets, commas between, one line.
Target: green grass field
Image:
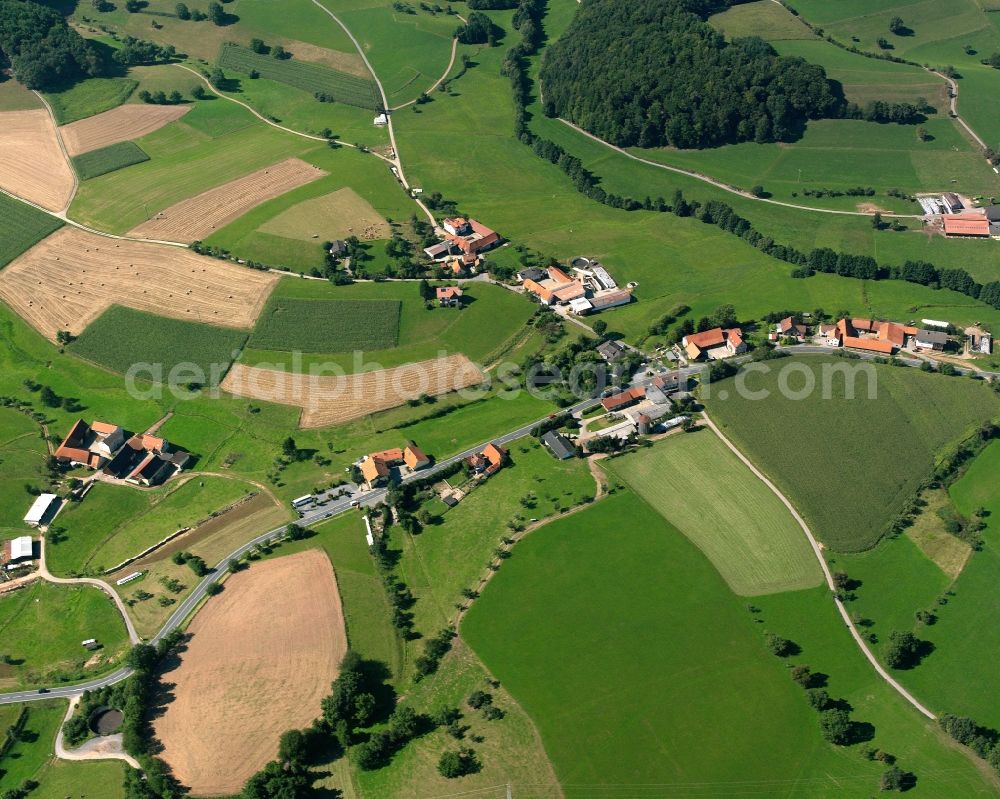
[(960, 675), (122, 337), (31, 758), (21, 227), (15, 97), (873, 451), (114, 523), (491, 318), (22, 456), (89, 97), (309, 77), (603, 671), (42, 626), (324, 325), (108, 159), (703, 489)]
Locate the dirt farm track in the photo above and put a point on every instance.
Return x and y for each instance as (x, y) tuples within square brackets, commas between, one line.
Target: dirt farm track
[(262, 655), (117, 125), (328, 399), (69, 279), (200, 216), (32, 165)]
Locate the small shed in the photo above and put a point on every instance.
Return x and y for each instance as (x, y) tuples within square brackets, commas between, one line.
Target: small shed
[(40, 509), (20, 550)]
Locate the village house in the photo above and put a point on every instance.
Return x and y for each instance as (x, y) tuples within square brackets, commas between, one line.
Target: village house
[(714, 344), (448, 296), (611, 351), (624, 399), (469, 236), (489, 461), (147, 461), (377, 467), (979, 341), (931, 339), (867, 335), (90, 445), (789, 328), (560, 446)]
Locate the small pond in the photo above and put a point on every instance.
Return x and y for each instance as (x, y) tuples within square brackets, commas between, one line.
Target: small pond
[(106, 722)]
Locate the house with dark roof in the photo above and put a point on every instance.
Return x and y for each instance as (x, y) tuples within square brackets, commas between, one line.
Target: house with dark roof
[(931, 339), (558, 445), (611, 351)]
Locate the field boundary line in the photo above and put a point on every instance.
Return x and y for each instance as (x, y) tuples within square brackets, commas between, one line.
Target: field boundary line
[(725, 186), (62, 149), (818, 551)]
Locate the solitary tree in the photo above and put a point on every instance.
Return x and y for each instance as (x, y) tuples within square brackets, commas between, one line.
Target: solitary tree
[(216, 14), (182, 11), (289, 448), (198, 92), (896, 26)]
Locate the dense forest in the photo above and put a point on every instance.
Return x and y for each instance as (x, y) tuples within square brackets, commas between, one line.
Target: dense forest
[(43, 50), (653, 72)]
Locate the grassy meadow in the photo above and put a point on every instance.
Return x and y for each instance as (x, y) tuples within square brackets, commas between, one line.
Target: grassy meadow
[(89, 97), (21, 227), (705, 491), (602, 671), (31, 759), (326, 325), (15, 97), (122, 337), (874, 449), (114, 523), (22, 456), (42, 627)]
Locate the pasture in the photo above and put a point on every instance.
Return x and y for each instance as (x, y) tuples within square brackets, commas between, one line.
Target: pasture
[(21, 227), (115, 523), (327, 398), (322, 325), (485, 327), (959, 676), (90, 97), (313, 78), (198, 217), (236, 688), (42, 626), (108, 159), (31, 164), (338, 215), (121, 338), (602, 670), (121, 124), (901, 418), (703, 489), (22, 453), (72, 277)]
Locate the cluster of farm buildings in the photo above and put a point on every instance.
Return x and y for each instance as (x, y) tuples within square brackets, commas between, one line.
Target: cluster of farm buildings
[(883, 337), (143, 460), (463, 240), (589, 290), (960, 218), (379, 468)]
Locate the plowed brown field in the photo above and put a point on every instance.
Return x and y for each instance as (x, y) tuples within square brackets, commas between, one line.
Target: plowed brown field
[(32, 165), (261, 657), (69, 279), (200, 216), (119, 124), (328, 399)]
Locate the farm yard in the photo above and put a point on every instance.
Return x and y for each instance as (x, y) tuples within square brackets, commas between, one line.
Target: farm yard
[(116, 523), (32, 165), (125, 123), (200, 216), (72, 277), (328, 399), (341, 86), (42, 627), (122, 337), (108, 159), (704, 490), (261, 657), (323, 325), (903, 431), (339, 214), (21, 227)]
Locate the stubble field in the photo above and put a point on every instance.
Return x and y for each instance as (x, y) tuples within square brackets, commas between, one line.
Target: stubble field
[(32, 165), (124, 123)]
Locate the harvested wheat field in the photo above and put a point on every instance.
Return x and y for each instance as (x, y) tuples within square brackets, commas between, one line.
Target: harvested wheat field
[(32, 164), (337, 215), (329, 399), (198, 217), (69, 279), (261, 657), (119, 124)]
